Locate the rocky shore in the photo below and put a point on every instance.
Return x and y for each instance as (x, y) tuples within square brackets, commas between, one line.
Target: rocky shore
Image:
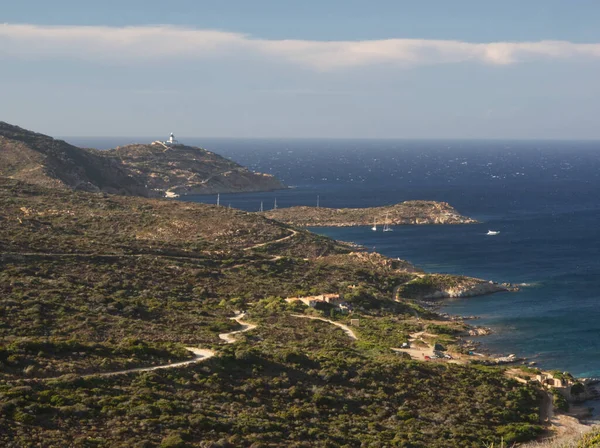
[(472, 288)]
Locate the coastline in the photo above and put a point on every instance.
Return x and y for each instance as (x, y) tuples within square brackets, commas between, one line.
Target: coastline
[(584, 409)]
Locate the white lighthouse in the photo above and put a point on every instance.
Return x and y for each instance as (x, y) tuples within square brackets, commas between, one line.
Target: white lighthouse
[(171, 143)]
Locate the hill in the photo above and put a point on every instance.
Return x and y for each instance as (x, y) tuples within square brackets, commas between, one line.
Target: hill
[(141, 170), (94, 284), (182, 170), (41, 160), (409, 212)]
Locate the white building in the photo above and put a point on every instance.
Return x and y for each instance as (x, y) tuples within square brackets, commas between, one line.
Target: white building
[(172, 142)]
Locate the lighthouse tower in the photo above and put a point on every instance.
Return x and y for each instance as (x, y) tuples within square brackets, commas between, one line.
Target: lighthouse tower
[(172, 142)]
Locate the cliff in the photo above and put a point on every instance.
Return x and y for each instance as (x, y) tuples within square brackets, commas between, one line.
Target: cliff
[(138, 170), (184, 170), (409, 212)]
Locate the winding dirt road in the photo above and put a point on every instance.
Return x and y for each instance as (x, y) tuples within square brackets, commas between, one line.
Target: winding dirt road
[(285, 238), (200, 355), (229, 337), (346, 328)]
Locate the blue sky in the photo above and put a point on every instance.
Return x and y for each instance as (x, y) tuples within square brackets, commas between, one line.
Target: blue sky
[(381, 69)]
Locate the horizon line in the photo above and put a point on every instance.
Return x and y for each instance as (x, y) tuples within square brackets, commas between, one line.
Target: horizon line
[(153, 138)]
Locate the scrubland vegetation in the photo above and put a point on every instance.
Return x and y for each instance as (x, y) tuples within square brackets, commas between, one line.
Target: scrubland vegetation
[(91, 283)]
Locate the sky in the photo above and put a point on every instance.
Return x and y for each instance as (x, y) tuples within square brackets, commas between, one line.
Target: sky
[(300, 69)]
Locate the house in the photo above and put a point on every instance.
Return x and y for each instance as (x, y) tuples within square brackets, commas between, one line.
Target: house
[(331, 299), (550, 381)]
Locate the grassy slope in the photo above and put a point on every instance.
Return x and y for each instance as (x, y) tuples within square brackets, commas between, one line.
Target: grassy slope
[(90, 282)]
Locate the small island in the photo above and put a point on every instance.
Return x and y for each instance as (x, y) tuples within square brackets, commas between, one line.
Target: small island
[(408, 212)]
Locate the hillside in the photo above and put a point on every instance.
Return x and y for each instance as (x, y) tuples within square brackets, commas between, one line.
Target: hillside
[(41, 160), (409, 212), (140, 170), (95, 284), (183, 170)]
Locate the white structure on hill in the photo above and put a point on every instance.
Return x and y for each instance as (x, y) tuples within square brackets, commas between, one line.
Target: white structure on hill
[(172, 142)]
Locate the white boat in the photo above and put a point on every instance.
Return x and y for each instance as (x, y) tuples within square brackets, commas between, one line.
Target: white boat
[(374, 228), (386, 227), (493, 232)]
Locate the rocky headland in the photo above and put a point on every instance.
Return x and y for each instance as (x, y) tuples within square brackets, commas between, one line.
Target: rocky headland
[(150, 170), (408, 212), (185, 170), (434, 287)]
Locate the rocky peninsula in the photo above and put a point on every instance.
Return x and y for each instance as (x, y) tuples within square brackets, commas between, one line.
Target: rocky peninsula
[(408, 212), (156, 169), (181, 170)]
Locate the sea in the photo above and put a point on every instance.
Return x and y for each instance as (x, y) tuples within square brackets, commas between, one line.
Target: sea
[(541, 196)]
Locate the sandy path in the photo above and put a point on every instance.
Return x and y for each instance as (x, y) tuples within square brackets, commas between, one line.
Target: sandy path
[(346, 328), (566, 428), (285, 238), (229, 337), (200, 355)]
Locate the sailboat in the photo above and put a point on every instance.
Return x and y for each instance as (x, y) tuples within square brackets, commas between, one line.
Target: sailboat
[(275, 204), (374, 228), (218, 199), (386, 227), (261, 207)]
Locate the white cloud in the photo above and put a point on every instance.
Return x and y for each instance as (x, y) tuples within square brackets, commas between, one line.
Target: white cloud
[(133, 44)]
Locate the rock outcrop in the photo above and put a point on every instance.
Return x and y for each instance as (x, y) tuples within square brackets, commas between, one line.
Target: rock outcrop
[(445, 286), (473, 288)]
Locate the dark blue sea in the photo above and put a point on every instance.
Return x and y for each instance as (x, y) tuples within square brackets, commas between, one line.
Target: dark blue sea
[(542, 196)]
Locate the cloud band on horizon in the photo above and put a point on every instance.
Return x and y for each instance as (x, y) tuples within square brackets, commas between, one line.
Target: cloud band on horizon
[(143, 43)]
